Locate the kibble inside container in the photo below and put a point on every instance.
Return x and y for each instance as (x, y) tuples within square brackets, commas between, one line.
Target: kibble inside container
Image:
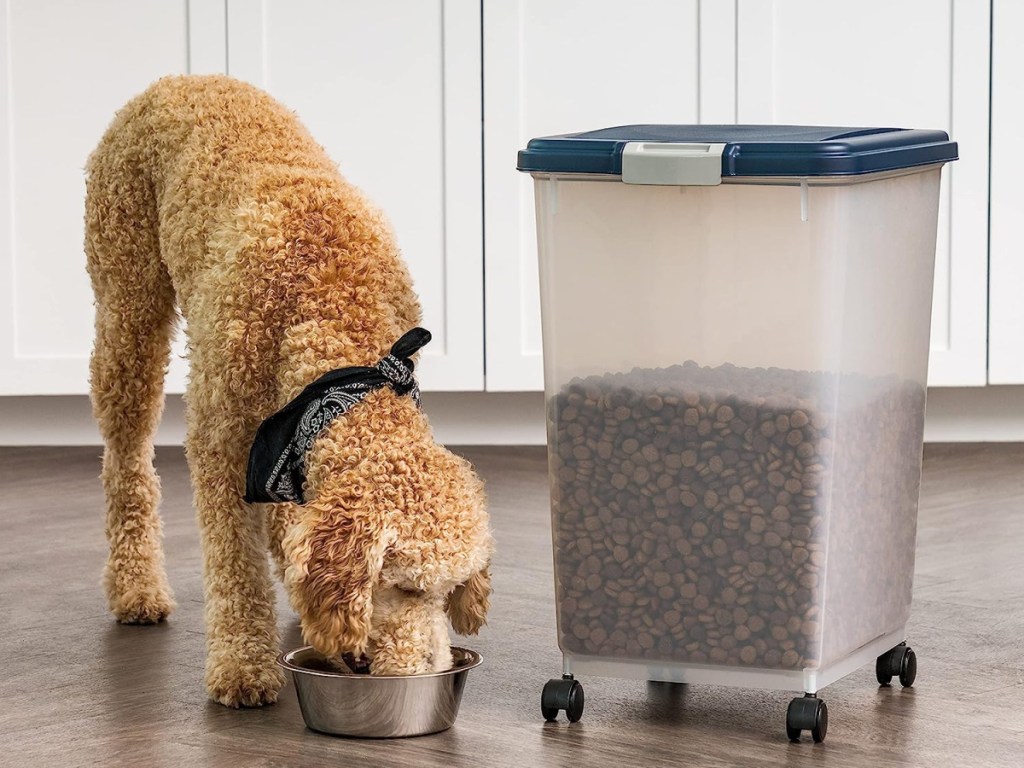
[(691, 511)]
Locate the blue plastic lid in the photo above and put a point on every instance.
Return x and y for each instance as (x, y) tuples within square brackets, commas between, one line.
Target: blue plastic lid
[(750, 150)]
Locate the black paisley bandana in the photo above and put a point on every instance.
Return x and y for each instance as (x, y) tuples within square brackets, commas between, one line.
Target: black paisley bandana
[(277, 459)]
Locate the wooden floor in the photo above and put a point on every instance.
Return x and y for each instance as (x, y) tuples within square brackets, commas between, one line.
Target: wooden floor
[(77, 689)]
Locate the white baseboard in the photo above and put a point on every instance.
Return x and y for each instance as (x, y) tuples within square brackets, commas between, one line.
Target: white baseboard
[(975, 415), (458, 418), (978, 414)]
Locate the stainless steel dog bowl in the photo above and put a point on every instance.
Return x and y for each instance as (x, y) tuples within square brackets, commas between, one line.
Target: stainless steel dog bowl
[(377, 706)]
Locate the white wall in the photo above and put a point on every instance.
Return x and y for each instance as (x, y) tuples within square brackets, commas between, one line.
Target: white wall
[(990, 414)]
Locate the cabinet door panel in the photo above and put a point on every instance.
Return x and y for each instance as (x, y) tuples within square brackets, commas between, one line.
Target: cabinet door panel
[(392, 90), (1006, 286), (802, 61), (68, 67), (556, 66)]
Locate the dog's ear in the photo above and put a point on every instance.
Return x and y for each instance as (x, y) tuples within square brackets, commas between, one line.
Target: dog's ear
[(469, 602), (336, 563)]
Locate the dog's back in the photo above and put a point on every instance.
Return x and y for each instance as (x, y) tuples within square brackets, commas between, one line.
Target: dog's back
[(180, 157), (207, 191)]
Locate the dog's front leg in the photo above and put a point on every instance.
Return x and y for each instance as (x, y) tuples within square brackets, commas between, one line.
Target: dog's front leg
[(241, 626)]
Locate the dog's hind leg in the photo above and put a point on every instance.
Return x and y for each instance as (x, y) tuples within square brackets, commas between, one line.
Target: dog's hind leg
[(134, 324)]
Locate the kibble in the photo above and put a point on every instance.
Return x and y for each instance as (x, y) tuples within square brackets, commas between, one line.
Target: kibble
[(688, 521)]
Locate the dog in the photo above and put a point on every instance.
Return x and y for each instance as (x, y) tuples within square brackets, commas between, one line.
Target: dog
[(207, 197)]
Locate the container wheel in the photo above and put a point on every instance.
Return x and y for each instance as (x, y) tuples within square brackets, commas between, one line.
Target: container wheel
[(900, 662), (563, 693), (807, 713)]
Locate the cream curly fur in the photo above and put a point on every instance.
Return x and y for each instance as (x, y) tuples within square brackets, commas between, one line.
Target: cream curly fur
[(207, 195)]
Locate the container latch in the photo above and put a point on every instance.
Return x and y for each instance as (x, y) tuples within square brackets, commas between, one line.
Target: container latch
[(672, 164)]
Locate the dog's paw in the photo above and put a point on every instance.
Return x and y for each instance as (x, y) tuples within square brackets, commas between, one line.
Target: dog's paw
[(244, 683), (142, 606)]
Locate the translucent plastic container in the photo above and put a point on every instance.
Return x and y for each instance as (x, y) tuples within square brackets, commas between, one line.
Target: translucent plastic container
[(735, 379)]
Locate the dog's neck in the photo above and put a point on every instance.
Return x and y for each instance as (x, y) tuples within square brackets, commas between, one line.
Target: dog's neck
[(332, 453), (312, 348)]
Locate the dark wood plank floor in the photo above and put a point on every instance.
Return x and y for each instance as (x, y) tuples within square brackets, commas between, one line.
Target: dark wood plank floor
[(77, 689)]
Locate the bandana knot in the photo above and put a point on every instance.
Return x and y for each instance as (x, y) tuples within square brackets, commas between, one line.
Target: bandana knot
[(277, 459), (398, 373)]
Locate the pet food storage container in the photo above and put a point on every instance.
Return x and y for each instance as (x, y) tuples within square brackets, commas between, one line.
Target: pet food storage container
[(735, 327)]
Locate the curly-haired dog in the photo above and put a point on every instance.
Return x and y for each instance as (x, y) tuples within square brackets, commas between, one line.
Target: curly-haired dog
[(208, 195)]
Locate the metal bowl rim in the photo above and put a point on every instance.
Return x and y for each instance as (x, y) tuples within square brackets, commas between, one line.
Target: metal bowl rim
[(473, 660)]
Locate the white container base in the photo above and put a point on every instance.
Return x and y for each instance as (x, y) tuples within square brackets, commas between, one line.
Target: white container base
[(807, 681)]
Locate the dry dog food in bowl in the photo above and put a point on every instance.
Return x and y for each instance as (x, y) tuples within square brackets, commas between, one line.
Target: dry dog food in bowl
[(377, 706), (692, 509)]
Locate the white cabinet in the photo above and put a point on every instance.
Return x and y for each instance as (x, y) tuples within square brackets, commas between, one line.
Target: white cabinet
[(66, 67), (392, 90), (907, 63), (1006, 264), (555, 67)]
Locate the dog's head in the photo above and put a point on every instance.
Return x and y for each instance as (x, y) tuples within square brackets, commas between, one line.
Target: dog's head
[(394, 534)]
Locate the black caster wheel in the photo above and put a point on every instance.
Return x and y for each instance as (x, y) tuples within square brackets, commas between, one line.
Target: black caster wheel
[(900, 662), (565, 693), (807, 713)]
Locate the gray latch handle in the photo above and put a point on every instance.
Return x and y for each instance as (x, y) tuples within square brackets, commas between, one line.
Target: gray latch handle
[(672, 164)]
